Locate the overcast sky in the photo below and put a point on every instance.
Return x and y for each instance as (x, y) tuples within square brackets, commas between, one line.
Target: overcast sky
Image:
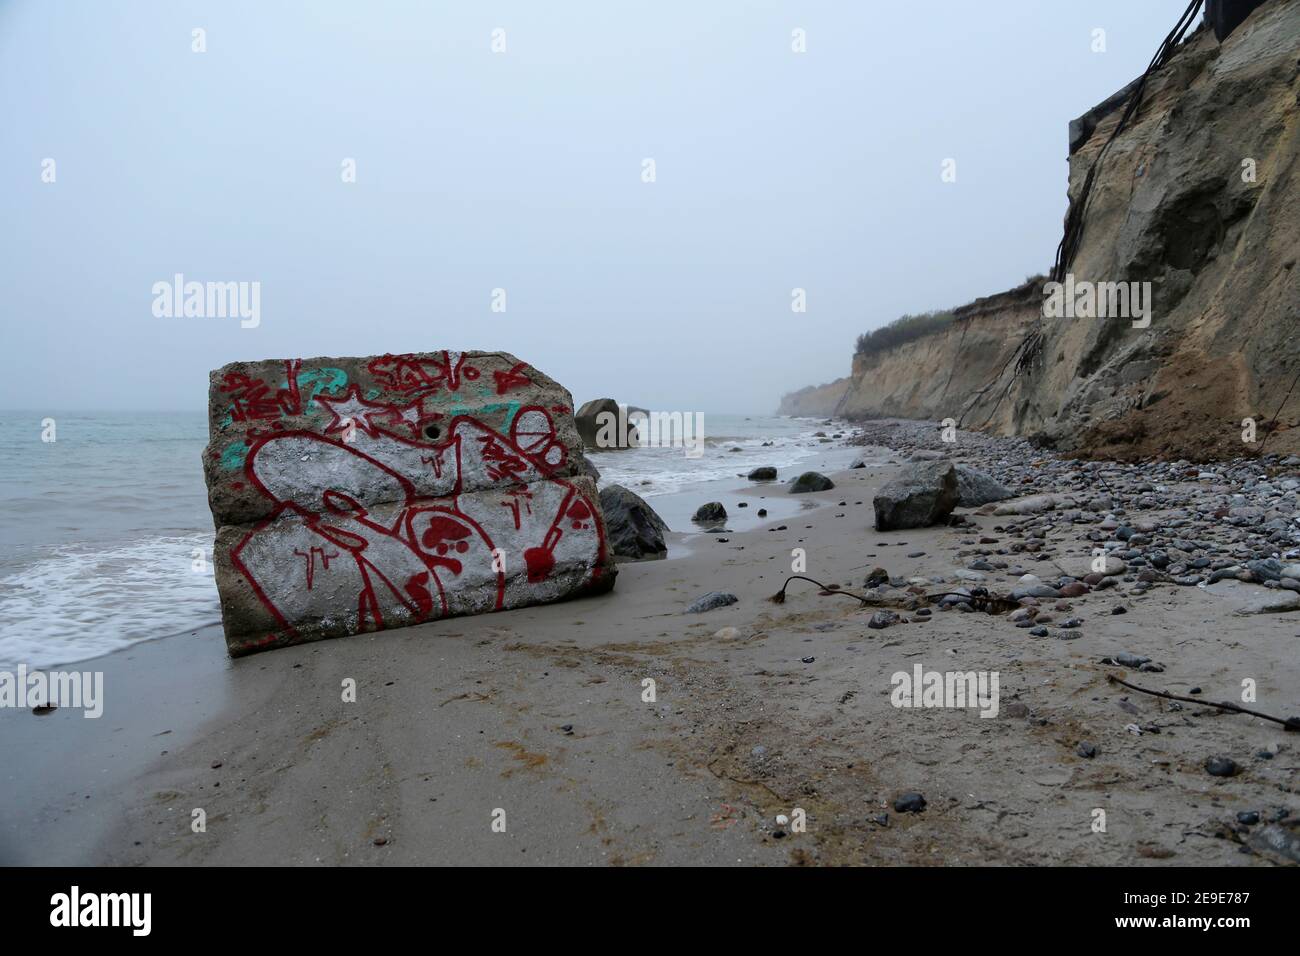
[(523, 170)]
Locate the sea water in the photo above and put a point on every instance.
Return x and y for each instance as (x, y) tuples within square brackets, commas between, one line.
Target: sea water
[(106, 538)]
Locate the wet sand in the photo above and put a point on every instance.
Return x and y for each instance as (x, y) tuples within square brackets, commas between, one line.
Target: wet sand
[(540, 713)]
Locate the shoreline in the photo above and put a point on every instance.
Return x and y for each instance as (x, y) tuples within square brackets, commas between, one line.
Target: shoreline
[(760, 708)]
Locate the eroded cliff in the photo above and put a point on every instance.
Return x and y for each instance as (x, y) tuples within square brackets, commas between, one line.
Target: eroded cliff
[(1198, 196)]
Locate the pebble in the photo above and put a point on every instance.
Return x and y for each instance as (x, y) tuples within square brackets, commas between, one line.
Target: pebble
[(710, 601), (910, 802), (1221, 767)]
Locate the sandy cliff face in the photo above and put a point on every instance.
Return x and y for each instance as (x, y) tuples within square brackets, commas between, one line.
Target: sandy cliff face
[(1200, 197), (941, 375), (1176, 204)]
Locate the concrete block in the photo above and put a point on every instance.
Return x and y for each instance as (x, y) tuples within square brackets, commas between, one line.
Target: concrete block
[(356, 494)]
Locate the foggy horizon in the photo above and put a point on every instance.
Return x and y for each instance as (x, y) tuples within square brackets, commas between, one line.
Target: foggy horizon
[(522, 170)]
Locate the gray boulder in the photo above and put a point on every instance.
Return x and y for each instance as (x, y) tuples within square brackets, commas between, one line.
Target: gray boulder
[(975, 488), (710, 513), (591, 417), (922, 494), (810, 481), (766, 473), (634, 531)]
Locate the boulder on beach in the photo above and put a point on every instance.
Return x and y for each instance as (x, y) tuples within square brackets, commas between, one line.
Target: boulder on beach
[(709, 513), (765, 473), (810, 481), (975, 488), (922, 494), (634, 531), (331, 522), (602, 426)]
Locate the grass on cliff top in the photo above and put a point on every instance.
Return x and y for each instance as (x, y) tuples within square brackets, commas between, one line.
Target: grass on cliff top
[(904, 329)]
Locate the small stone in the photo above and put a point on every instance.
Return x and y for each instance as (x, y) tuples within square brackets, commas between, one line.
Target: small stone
[(882, 619), (877, 577), (1221, 767), (1248, 817), (1086, 749), (1125, 659), (910, 802), (710, 601)]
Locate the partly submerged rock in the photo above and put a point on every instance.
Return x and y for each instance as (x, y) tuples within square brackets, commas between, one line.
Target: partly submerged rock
[(710, 513), (634, 531), (922, 494), (765, 473)]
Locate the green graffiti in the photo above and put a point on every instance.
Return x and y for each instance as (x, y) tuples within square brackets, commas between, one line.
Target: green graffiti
[(331, 381), (510, 408), (372, 394), (232, 459), (225, 422)]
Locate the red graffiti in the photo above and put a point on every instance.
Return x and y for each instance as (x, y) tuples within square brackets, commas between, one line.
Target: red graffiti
[(400, 558), (511, 379), (409, 373), (253, 400), (310, 554)]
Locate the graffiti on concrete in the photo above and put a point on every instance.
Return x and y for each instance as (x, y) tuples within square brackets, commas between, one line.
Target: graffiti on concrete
[(400, 504)]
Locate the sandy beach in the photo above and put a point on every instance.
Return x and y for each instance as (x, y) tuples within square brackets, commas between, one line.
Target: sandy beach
[(759, 709)]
